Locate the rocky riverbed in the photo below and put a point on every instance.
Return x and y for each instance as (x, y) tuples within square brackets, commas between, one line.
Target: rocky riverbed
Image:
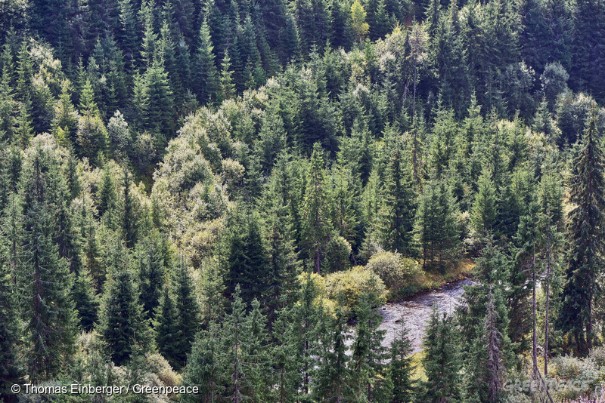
[(416, 312)]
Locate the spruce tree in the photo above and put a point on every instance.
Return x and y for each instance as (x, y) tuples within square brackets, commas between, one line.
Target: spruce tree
[(129, 220), (369, 373), (397, 208), (436, 227), (227, 85), (401, 367), (585, 263), (151, 261), (11, 370), (333, 376), (207, 366), (442, 361), (167, 337), (484, 210), (484, 323), (50, 315), (279, 238), (246, 259), (122, 325), (205, 73), (187, 321), (317, 227)]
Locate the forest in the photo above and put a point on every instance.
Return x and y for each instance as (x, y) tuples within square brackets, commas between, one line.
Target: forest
[(224, 193)]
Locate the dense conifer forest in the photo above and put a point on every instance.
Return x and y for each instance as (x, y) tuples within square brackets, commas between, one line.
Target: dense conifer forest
[(224, 193)]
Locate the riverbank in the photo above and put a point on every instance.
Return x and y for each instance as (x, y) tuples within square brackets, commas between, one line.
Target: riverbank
[(415, 312)]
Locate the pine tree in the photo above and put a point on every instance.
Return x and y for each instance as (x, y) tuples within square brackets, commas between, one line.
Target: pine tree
[(585, 264)]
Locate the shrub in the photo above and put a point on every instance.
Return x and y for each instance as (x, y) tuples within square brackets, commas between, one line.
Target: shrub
[(401, 275), (575, 377), (346, 287)]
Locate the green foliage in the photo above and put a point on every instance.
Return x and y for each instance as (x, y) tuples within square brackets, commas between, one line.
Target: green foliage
[(50, 314), (348, 287), (402, 276), (401, 367), (437, 227), (576, 315), (122, 324), (246, 260), (261, 140), (442, 360)]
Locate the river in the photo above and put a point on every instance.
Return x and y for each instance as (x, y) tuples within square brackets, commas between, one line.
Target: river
[(416, 312)]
